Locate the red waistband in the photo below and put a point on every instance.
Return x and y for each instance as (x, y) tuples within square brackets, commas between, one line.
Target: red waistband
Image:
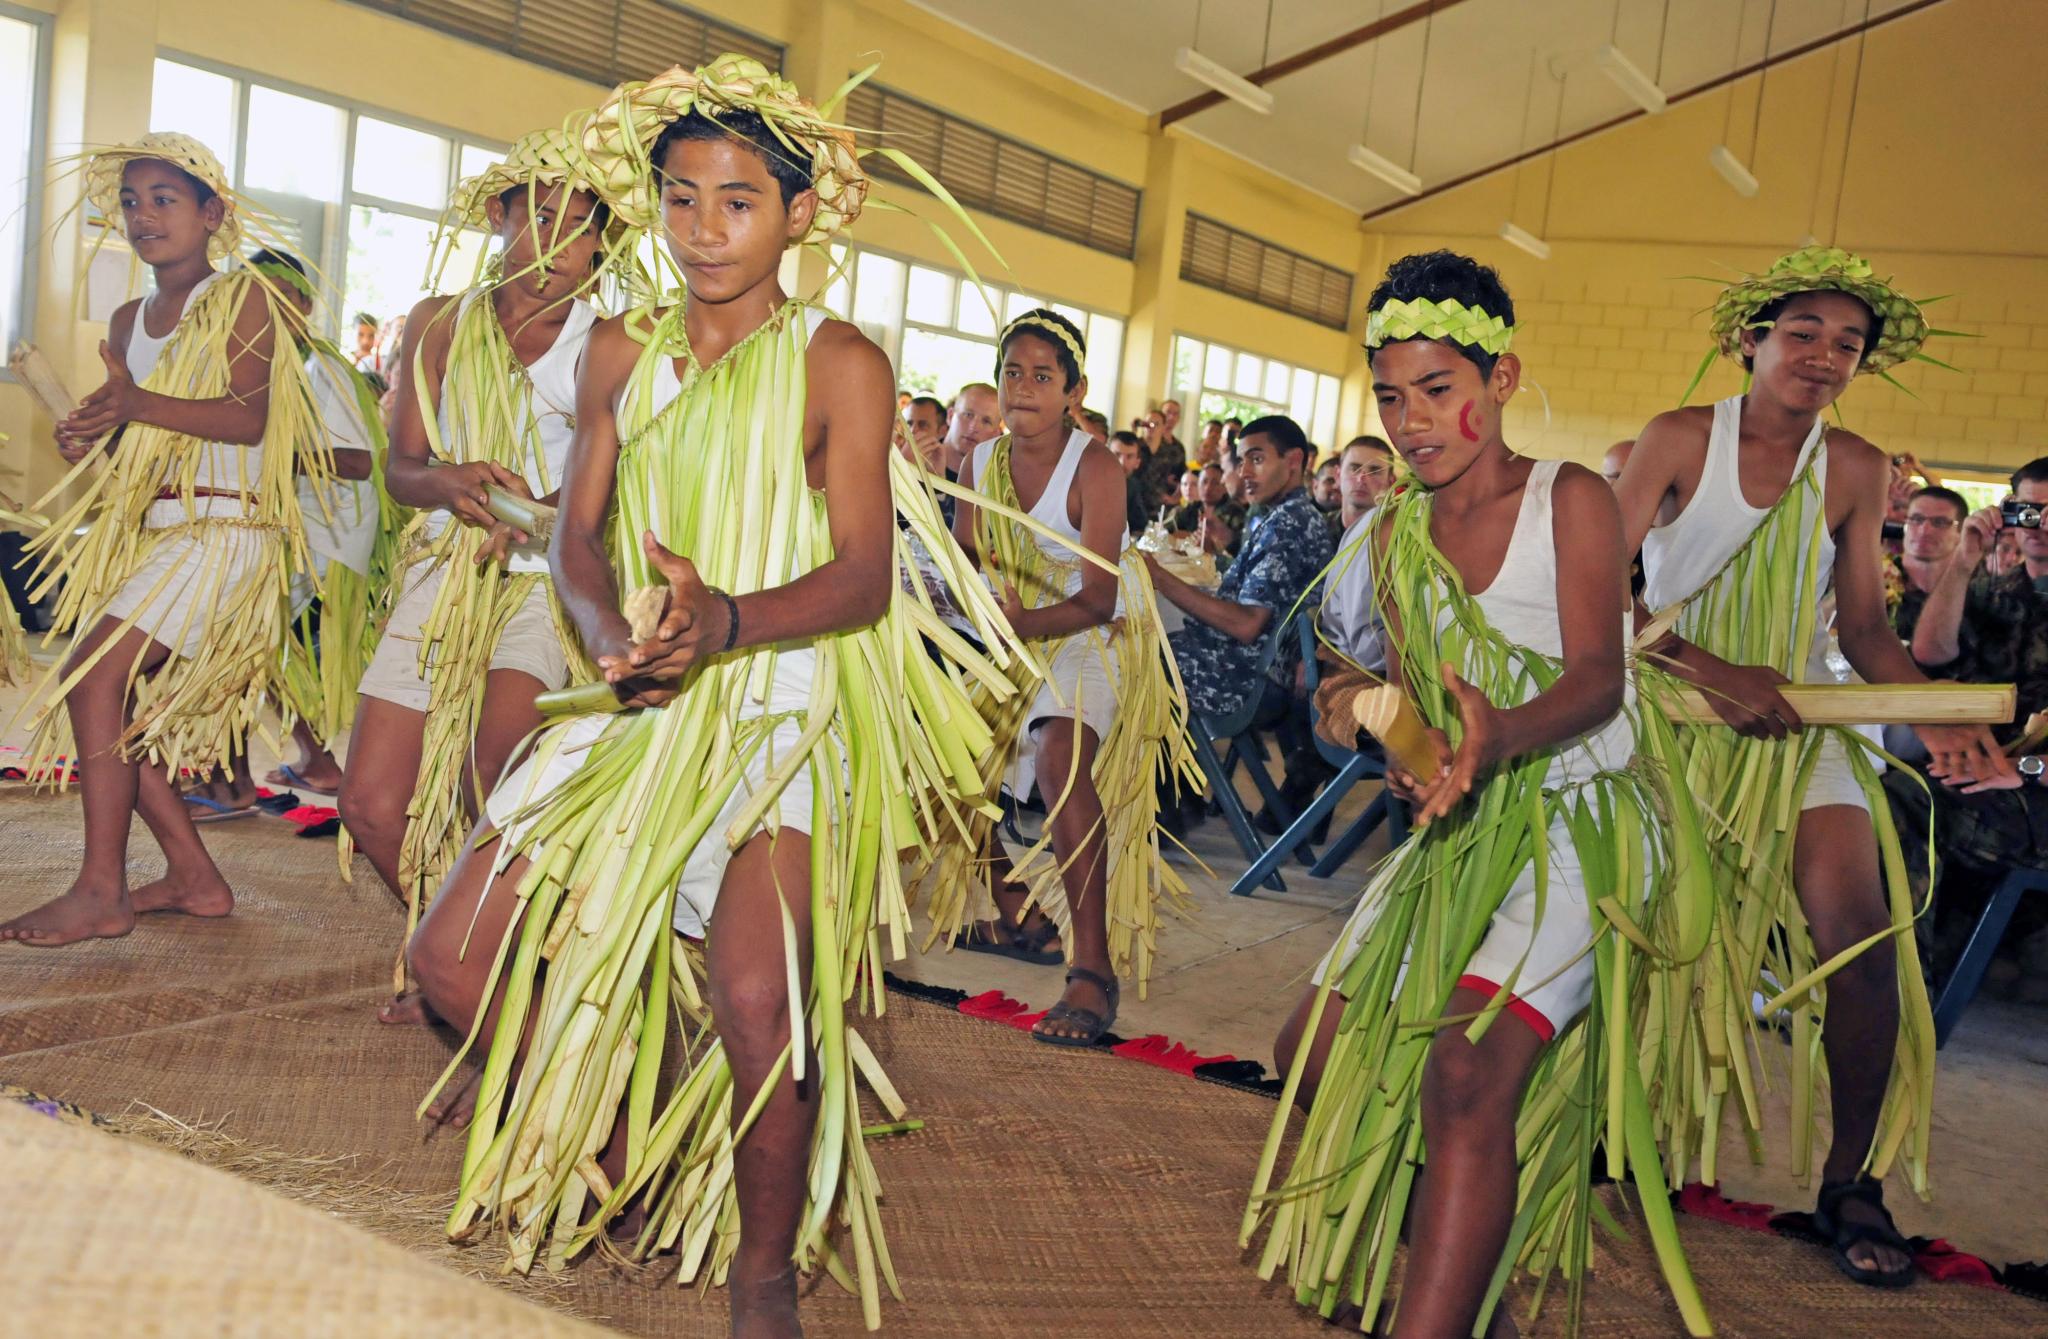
[(174, 495), (1514, 1004)]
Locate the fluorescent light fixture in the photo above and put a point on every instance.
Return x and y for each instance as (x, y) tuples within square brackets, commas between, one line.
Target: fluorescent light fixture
[(1629, 78), (1197, 66), (1522, 239), (1732, 171), (1386, 169)]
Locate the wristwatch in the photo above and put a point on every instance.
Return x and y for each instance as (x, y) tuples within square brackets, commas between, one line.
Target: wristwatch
[(2031, 766)]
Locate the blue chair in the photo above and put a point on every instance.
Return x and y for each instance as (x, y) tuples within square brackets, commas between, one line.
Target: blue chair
[(1352, 767), (1962, 983), (1235, 730)]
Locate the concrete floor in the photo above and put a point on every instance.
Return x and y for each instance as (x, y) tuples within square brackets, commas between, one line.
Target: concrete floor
[(1228, 974)]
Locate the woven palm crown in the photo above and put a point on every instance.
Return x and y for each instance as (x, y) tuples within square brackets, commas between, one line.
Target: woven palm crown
[(1823, 269), (103, 168), (550, 157), (623, 131)]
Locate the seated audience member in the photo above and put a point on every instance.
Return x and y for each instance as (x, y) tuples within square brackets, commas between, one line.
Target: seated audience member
[(1190, 502), (1233, 428), (1213, 517), (974, 419), (1130, 453), (1210, 449), (1616, 460), (1970, 626), (924, 421), (1159, 476), (1233, 478), (1327, 492), (1095, 423), (1283, 549)]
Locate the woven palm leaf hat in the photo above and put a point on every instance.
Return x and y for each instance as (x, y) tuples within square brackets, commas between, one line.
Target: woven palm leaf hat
[(103, 168), (622, 135), (1823, 269)]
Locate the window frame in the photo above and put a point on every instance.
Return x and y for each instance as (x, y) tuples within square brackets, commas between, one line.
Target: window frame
[(1190, 394), (335, 264), (893, 347), (44, 27)]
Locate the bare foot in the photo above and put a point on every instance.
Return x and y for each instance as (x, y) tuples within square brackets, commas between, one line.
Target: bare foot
[(765, 1308), (408, 1007), (81, 912), (456, 1103), (187, 896)]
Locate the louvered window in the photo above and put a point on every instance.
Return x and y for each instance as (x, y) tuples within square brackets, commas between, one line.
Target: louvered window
[(1000, 175), (1218, 256), (604, 41)]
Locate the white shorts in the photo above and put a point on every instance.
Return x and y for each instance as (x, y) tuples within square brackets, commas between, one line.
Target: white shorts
[(528, 643), (560, 753), (1832, 782), (175, 594), (1080, 685), (1554, 954)]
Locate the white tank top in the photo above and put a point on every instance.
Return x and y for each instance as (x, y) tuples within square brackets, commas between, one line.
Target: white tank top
[(550, 390), (1682, 557), (1521, 605), (225, 467), (1050, 510)]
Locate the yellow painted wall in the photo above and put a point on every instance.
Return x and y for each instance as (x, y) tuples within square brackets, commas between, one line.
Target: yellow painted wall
[(1944, 189)]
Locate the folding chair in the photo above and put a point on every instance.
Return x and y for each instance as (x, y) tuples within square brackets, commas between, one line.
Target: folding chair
[(1352, 767), (1969, 971), (1242, 746)]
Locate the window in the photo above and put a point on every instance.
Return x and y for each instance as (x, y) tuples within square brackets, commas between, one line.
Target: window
[(1228, 383), (940, 330), (21, 70), (355, 193), (985, 169), (1235, 262), (604, 41)]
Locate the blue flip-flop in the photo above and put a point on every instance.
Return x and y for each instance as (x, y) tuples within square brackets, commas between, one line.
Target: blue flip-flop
[(216, 812), (297, 782)]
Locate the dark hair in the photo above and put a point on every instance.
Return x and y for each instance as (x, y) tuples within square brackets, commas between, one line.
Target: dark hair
[(1366, 439), (1095, 416), (364, 318), (1212, 466), (2034, 471), (1215, 423), (1948, 495), (1281, 430), (1440, 276), (1044, 316), (1126, 439), (1238, 421), (1329, 464), (600, 215), (928, 402), (1771, 310), (269, 257), (791, 177)]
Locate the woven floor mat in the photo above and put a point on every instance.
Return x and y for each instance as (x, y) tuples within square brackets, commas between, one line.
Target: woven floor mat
[(1051, 1194)]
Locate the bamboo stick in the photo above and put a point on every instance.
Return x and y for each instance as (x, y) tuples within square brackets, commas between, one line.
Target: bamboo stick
[(1871, 704), (1387, 715), (32, 368), (535, 519), (643, 610), (2031, 738)]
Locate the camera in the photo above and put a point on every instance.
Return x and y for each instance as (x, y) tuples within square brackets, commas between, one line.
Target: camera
[(2013, 512)]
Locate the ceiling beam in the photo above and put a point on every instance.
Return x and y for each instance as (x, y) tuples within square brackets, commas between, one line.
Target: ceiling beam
[(1719, 81), (1322, 51)]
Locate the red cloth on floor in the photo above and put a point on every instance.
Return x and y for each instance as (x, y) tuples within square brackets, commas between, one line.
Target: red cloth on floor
[(1157, 1050)]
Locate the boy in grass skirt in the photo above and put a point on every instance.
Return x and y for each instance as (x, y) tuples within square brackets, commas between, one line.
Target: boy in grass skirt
[(741, 780), (1748, 513), (176, 555), (1473, 1035)]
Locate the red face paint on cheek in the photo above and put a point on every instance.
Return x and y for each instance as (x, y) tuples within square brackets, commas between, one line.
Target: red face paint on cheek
[(1465, 423)]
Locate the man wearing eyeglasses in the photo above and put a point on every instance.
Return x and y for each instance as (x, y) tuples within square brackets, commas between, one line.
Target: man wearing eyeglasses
[(1969, 625)]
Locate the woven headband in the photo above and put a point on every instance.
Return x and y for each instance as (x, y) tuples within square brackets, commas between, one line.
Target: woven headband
[(1039, 323), (1423, 318), (279, 272)]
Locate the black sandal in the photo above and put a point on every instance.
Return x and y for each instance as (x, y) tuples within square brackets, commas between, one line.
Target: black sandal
[(1844, 1236), (1094, 1024), (1013, 941)]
